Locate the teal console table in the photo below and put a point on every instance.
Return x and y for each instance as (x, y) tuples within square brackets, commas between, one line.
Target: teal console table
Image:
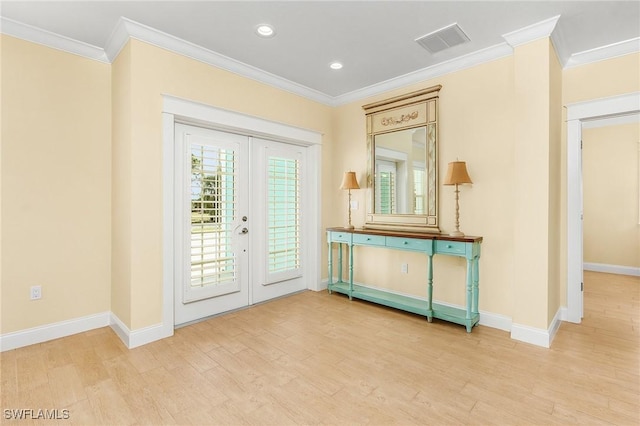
[(429, 244)]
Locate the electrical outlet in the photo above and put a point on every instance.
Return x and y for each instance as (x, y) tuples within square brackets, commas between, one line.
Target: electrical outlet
[(404, 268), (36, 292)]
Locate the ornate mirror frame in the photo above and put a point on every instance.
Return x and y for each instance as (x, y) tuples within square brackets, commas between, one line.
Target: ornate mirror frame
[(410, 111)]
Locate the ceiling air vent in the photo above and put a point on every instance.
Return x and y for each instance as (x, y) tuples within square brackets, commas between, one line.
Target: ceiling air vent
[(442, 39)]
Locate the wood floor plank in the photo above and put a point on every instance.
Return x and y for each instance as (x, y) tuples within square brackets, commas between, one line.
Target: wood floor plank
[(65, 385), (314, 358)]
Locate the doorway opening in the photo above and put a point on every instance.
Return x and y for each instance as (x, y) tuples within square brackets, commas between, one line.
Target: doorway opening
[(577, 114), (181, 111)]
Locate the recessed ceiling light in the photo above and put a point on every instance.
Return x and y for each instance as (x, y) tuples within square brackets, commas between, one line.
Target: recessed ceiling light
[(335, 65), (265, 30)]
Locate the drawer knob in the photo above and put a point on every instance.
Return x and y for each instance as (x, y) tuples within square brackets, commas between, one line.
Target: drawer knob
[(368, 239), (406, 242), (449, 246)]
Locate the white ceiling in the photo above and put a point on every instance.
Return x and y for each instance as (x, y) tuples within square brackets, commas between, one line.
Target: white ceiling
[(373, 39)]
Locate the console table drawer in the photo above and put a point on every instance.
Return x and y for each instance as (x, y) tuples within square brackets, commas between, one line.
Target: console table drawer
[(370, 240), (450, 247), (344, 237), (410, 244)]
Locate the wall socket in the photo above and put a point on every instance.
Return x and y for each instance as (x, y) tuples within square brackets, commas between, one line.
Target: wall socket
[(404, 268), (36, 292)]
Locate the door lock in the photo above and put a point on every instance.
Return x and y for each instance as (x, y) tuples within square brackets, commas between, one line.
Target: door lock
[(244, 231)]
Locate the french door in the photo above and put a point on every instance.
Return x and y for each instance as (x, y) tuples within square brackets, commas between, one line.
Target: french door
[(278, 179), (238, 221)]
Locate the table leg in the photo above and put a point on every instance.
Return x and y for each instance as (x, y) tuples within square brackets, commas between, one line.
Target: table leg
[(468, 318), (476, 281), (340, 262), (330, 279), (430, 288), (350, 272)]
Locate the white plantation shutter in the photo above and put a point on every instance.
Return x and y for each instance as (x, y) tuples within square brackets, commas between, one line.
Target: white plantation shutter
[(385, 187), (213, 209), (283, 218)]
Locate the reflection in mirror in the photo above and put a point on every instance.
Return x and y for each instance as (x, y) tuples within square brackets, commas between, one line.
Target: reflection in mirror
[(400, 171)]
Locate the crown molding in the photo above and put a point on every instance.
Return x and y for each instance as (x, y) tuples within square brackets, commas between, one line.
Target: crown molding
[(118, 39), (532, 32), (127, 28), (605, 52), (457, 64), (560, 46), (49, 39)]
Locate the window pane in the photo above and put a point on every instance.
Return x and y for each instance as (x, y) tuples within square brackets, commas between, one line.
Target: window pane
[(212, 213)]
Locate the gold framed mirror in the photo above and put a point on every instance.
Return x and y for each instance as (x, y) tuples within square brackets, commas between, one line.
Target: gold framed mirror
[(402, 164)]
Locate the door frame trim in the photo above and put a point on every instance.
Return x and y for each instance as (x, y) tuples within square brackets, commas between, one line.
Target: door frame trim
[(184, 111), (577, 113)]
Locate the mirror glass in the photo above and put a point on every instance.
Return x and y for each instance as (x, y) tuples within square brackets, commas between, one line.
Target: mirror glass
[(400, 171)]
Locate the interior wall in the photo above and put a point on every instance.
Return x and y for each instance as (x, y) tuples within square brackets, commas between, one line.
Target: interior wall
[(121, 99), (476, 126), (532, 178), (601, 79), (56, 120), (56, 189), (610, 189), (155, 72), (555, 186), (588, 82)]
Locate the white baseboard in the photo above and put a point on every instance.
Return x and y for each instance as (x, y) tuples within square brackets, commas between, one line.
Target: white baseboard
[(135, 338), (501, 322), (53, 331), (66, 328), (323, 285), (488, 319), (139, 337), (612, 269), (537, 336)]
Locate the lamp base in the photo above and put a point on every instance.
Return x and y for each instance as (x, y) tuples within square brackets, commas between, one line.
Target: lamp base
[(456, 234), (349, 226)]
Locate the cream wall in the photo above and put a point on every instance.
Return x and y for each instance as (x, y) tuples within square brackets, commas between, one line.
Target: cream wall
[(601, 79), (99, 247), (476, 125), (56, 169), (611, 232), (597, 80), (153, 72), (555, 186), (121, 100), (523, 222), (532, 242)]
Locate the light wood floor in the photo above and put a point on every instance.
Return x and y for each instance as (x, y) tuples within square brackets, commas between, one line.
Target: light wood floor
[(315, 358)]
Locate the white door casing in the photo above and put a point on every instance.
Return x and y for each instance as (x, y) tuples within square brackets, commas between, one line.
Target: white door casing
[(577, 114), (177, 110)]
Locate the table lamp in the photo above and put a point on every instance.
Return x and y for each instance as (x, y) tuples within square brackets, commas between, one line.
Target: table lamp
[(349, 182), (456, 175)]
